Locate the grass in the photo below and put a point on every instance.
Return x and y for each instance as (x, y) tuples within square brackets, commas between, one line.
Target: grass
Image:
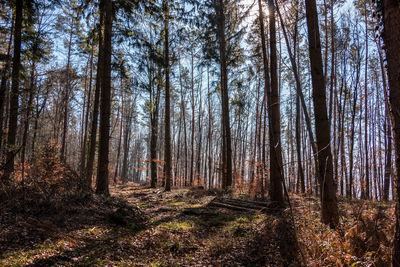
[(46, 249), (177, 225), (178, 203)]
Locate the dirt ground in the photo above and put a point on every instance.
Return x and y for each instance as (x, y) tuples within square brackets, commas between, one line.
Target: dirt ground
[(139, 226)]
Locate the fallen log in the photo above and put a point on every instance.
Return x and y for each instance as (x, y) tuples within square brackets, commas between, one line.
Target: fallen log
[(244, 204), (228, 206)]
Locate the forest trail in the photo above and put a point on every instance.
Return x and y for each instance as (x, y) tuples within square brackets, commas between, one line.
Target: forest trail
[(178, 228)]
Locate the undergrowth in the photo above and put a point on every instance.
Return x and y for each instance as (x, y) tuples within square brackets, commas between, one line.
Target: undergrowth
[(363, 237), (46, 185)]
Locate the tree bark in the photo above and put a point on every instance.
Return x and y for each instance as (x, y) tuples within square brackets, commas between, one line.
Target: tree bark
[(276, 167), (167, 155), (86, 122), (330, 214), (95, 113), (3, 85), (66, 98), (27, 119), (154, 135), (226, 130), (391, 36), (105, 108), (14, 95), (367, 189)]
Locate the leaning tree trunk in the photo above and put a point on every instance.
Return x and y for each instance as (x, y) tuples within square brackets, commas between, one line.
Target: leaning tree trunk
[(330, 214), (391, 37), (14, 95)]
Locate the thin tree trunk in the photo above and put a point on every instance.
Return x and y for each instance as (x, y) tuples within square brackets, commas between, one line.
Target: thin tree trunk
[(124, 171), (66, 99), (154, 135), (120, 134), (95, 113), (27, 119), (86, 123), (167, 155), (367, 193), (193, 122), (301, 95)]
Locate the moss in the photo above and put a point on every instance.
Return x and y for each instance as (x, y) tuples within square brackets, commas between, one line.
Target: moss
[(239, 227), (258, 218), (143, 205), (177, 203), (22, 257), (175, 225)]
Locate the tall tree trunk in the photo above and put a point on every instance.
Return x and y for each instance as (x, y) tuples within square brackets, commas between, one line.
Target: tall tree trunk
[(3, 85), (391, 36), (105, 104), (192, 174), (95, 113), (367, 193), (66, 99), (14, 95), (226, 130), (167, 155), (199, 142), (27, 119), (154, 135), (301, 95), (120, 134), (210, 135), (330, 214), (388, 165), (276, 167), (124, 171), (86, 123), (352, 130), (298, 146)]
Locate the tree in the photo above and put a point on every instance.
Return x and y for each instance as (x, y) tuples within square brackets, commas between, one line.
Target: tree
[(68, 24), (167, 132), (276, 164), (391, 37), (330, 214), (13, 114), (95, 112), (105, 102), (4, 80), (225, 122)]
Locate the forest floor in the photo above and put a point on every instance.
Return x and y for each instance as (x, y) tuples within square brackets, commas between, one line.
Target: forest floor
[(140, 226)]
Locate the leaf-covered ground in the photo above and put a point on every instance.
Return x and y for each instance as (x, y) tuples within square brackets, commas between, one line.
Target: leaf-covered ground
[(139, 226)]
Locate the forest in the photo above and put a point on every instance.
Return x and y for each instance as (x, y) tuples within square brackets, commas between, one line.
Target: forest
[(200, 133)]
